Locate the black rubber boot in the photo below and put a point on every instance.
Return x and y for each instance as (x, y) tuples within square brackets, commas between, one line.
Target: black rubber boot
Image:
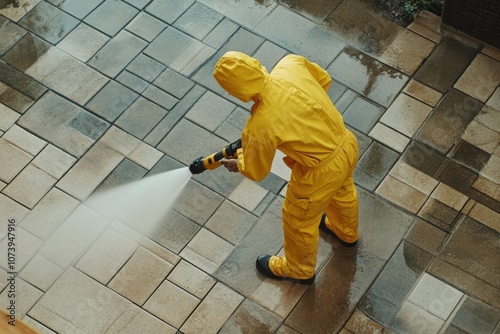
[(262, 265), (322, 226)]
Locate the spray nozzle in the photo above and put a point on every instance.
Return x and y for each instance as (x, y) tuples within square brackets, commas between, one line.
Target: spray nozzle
[(213, 161)]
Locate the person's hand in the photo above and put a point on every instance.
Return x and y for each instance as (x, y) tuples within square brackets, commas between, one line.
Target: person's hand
[(230, 164)]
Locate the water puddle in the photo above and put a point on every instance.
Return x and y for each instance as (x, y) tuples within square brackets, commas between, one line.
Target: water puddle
[(8, 3)]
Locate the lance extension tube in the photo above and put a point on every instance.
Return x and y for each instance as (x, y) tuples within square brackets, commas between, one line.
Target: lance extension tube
[(213, 161)]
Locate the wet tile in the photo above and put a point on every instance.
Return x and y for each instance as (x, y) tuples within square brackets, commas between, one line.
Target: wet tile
[(318, 45), (207, 251), (427, 25), (362, 115), (11, 33), (440, 74), (475, 316), (287, 330), (374, 165), (120, 141), (402, 194), (389, 137), (145, 155), (160, 97), (49, 214), (221, 33), (126, 172), (27, 52), (191, 279), (79, 9), (20, 81), (168, 11), (132, 81), (470, 156), (141, 117), (145, 68), (492, 168), (15, 13), (412, 318), (83, 42), (48, 22), (106, 256), (224, 224), (489, 115), (198, 21), (449, 196), (384, 298), (117, 53), (174, 232), (15, 99), (447, 122), (210, 111), (111, 101), (481, 135), (424, 159), (360, 323), (486, 216), (479, 79), (407, 62), (246, 14), (213, 311), (26, 297), (173, 48), (251, 317), (40, 273), (422, 93), (111, 16), (439, 214), (382, 83), (90, 171), (129, 281), (146, 26), (171, 304), (406, 115), (12, 161), (414, 178), (488, 187), (33, 179), (8, 117), (173, 83), (426, 236)]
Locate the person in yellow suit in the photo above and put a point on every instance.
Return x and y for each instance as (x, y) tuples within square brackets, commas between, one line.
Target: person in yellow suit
[(293, 113)]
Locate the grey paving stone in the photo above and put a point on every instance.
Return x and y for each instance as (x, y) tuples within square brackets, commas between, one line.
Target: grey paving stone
[(426, 236), (439, 214), (198, 20), (221, 33), (83, 42), (363, 141), (160, 97), (425, 159), (146, 26), (233, 125), (139, 4), (367, 76), (111, 16), (78, 8), (48, 22), (15, 100), (132, 81), (448, 121), (363, 115), (440, 74), (126, 172), (88, 124), (269, 54), (198, 60), (476, 316), (471, 156), (173, 48), (345, 100), (10, 33), (141, 117), (27, 52), (117, 53), (145, 67), (175, 231), (173, 83), (20, 81), (168, 11), (111, 101), (250, 316), (210, 111), (374, 165)]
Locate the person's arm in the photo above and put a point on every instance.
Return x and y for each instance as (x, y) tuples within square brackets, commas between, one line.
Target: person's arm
[(255, 159)]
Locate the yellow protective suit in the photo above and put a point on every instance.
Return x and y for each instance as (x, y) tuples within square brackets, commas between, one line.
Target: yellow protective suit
[(293, 113)]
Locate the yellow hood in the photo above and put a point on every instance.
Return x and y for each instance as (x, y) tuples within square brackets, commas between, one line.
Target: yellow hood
[(241, 75)]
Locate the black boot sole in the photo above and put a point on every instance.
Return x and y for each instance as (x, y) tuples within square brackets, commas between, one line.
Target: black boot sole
[(323, 227), (262, 265)]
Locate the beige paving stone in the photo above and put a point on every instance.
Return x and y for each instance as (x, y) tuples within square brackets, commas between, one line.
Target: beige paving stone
[(481, 136), (131, 280), (401, 194), (2, 185), (30, 186), (278, 297), (120, 140), (37, 326), (26, 246), (248, 194), (3, 278), (486, 216), (40, 272), (142, 322), (75, 303), (492, 52), (15, 13), (12, 160), (53, 161), (481, 78), (360, 323), (489, 117), (213, 311), (25, 296), (413, 319), (492, 169), (449, 196), (73, 237), (279, 168), (413, 177), (207, 251), (106, 256), (389, 137), (407, 51), (90, 171), (24, 140), (8, 117), (487, 187), (83, 42), (49, 214), (10, 211), (406, 115), (494, 100), (423, 93), (145, 155), (171, 304), (428, 25), (191, 279)]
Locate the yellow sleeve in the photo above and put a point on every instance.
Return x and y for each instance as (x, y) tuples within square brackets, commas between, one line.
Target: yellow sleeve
[(255, 159), (318, 73)]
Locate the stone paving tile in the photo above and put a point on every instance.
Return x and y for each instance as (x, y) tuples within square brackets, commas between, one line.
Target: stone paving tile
[(475, 316), (160, 97), (251, 317), (362, 114), (132, 81), (20, 81), (387, 136), (145, 155), (248, 195), (198, 21), (269, 54), (221, 33), (14, 98), (413, 177), (173, 83), (111, 101), (470, 156), (210, 111), (422, 92), (26, 297), (27, 52), (40, 273), (402, 194), (426, 236), (481, 78), (141, 117), (129, 280), (411, 319), (374, 165), (213, 311), (53, 161), (146, 26), (360, 323), (26, 246), (83, 42), (145, 67), (11, 33), (49, 22), (13, 160), (367, 76), (120, 141), (191, 279), (428, 25), (37, 326), (480, 135), (16, 13), (111, 16), (79, 9), (171, 304), (8, 117), (486, 216), (169, 11), (117, 53)]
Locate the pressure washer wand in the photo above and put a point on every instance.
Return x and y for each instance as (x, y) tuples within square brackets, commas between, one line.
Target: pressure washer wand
[(213, 161)]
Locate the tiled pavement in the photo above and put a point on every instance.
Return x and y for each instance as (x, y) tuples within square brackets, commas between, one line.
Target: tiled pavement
[(99, 93)]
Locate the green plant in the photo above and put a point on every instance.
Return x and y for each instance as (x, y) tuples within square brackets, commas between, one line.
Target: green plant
[(412, 7)]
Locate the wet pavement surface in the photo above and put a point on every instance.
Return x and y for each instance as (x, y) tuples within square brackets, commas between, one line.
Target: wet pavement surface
[(100, 93)]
